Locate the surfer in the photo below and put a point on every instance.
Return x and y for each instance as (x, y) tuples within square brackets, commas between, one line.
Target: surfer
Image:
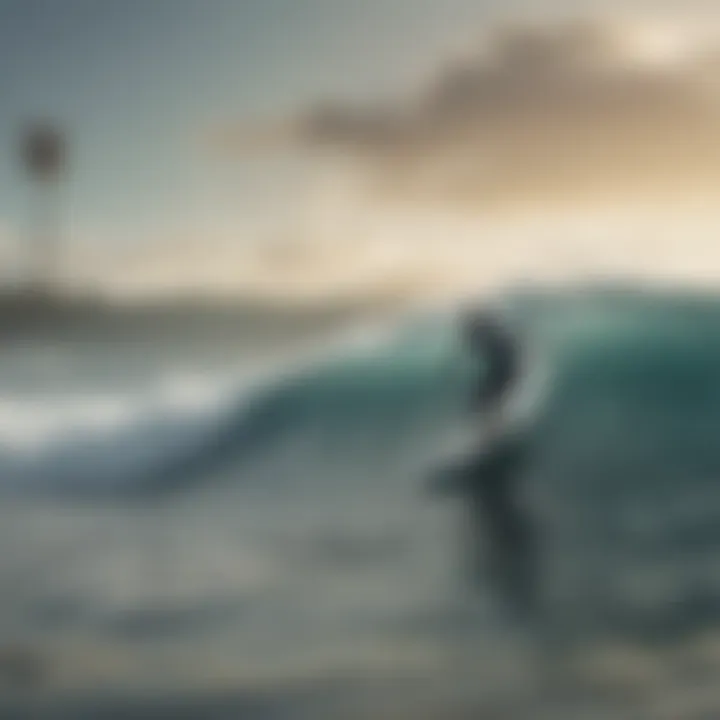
[(500, 538), (488, 340)]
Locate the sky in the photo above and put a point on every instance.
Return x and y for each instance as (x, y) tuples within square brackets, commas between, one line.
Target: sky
[(137, 83), (140, 86)]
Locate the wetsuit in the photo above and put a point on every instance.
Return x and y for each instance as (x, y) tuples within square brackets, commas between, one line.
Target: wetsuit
[(489, 341)]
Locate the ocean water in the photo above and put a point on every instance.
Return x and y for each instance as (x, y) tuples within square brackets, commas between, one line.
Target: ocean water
[(235, 530)]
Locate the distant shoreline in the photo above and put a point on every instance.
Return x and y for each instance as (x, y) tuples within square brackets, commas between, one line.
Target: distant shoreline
[(26, 313)]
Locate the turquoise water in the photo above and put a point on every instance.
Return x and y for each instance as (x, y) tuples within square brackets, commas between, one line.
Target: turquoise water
[(280, 530)]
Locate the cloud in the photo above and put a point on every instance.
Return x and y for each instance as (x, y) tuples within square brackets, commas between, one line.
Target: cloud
[(573, 110)]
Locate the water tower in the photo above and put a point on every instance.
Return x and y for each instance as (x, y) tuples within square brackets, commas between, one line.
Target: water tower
[(43, 155)]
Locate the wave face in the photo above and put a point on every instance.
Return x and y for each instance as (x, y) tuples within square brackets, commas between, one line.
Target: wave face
[(630, 460), (289, 527), (382, 394)]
